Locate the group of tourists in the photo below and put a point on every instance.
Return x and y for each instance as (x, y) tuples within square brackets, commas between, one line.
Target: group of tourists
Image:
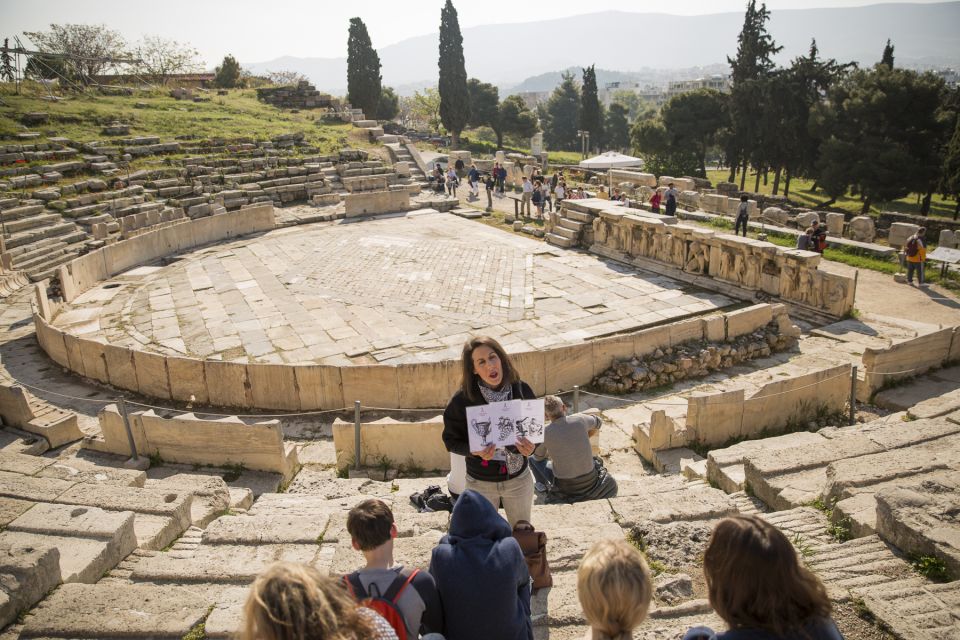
[(478, 584)]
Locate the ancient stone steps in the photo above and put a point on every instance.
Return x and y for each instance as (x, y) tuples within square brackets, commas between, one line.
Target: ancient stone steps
[(913, 607)]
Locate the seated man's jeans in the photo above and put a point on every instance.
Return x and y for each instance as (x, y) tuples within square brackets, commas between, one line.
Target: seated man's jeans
[(542, 470)]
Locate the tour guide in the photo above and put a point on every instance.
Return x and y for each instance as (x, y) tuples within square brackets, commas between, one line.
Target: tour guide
[(488, 376)]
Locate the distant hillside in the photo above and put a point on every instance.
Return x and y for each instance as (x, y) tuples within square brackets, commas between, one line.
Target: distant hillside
[(549, 81), (923, 34)]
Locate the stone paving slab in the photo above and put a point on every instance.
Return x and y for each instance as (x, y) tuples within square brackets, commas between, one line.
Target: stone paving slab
[(914, 608), (119, 611), (238, 564), (153, 501), (27, 574), (15, 485), (273, 529), (81, 559), (390, 295), (23, 464), (703, 504), (11, 508)]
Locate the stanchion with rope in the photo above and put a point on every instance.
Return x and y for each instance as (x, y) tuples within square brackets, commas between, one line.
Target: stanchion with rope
[(853, 394), (356, 434)]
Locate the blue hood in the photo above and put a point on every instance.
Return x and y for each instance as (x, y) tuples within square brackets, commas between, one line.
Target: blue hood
[(474, 517)]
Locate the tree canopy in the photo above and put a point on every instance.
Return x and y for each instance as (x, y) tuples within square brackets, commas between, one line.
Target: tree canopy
[(692, 121), (89, 49), (228, 75), (514, 119), (561, 115), (161, 58), (454, 95), (616, 127), (363, 70), (389, 106), (591, 112)]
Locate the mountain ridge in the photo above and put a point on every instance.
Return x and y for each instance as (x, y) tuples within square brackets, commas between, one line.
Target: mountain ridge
[(921, 34)]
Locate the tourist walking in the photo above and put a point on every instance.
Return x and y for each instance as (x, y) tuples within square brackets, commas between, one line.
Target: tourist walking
[(527, 197), (559, 194), (916, 253), (498, 474), (655, 201), (743, 216), (452, 181), (671, 197), (537, 198), (501, 178), (473, 177)]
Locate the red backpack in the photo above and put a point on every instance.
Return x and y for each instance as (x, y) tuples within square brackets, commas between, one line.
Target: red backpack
[(386, 604)]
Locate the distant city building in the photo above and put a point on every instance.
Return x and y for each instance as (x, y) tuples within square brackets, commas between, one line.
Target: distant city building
[(533, 98), (658, 95), (717, 83), (950, 77)]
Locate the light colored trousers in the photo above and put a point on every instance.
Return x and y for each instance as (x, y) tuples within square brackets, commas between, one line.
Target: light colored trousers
[(516, 493)]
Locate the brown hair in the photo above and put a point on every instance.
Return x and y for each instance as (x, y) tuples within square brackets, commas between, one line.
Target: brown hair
[(755, 580), (468, 382), (614, 588), (291, 601), (369, 523)]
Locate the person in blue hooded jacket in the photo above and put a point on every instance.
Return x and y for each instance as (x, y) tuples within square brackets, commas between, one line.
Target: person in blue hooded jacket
[(481, 575)]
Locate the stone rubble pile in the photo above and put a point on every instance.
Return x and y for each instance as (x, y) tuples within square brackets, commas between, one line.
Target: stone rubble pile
[(690, 360), (302, 96)]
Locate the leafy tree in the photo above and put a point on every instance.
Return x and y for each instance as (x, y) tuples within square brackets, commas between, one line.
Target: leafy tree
[(950, 171), (45, 67), (561, 113), (749, 69), (880, 132), (228, 75), (630, 100), (651, 141), (285, 78), (591, 113), (616, 127), (90, 49), (514, 119), (6, 63), (887, 57), (484, 104), (692, 121), (454, 95), (160, 58), (363, 70), (424, 109), (389, 107)]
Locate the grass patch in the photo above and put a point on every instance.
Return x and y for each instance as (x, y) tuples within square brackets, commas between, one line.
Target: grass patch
[(232, 472), (803, 194), (804, 548), (155, 460), (637, 540), (841, 530), (930, 567)]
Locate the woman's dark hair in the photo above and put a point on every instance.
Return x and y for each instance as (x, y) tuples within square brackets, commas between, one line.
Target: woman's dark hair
[(743, 198), (754, 579), (468, 381)]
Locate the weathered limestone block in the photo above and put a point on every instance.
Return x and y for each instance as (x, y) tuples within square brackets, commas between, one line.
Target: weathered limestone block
[(373, 203), (948, 238), (862, 229), (91, 541), (238, 564), (776, 215), (899, 232), (920, 518), (835, 224), (725, 466), (669, 506), (110, 610), (262, 529), (635, 178), (29, 574), (714, 203), (680, 184), (807, 218)]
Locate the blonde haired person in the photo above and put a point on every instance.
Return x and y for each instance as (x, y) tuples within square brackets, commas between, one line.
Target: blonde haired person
[(291, 601), (614, 588)]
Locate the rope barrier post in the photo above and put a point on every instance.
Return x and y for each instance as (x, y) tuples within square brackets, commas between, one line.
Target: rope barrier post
[(853, 394), (122, 404), (576, 398), (356, 434)]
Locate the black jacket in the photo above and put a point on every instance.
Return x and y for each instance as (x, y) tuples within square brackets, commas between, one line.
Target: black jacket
[(457, 440)]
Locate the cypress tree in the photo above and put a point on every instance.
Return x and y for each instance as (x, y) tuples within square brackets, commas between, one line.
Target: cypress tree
[(887, 58), (591, 115), (454, 95), (363, 70)]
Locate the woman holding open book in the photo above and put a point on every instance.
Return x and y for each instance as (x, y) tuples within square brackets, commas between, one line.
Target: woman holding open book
[(497, 473)]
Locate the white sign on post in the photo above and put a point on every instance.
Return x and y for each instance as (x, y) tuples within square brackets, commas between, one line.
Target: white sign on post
[(501, 423)]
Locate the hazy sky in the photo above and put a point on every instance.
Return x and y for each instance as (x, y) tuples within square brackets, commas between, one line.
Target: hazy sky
[(257, 31)]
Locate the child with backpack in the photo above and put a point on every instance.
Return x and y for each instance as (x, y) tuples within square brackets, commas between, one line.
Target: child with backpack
[(406, 598)]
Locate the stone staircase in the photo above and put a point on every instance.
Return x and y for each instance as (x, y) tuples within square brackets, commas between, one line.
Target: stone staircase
[(400, 152), (38, 241), (572, 226)]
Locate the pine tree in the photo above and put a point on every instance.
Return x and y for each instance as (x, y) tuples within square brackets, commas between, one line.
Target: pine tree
[(616, 127), (363, 70), (562, 115), (6, 63), (748, 71), (887, 57), (454, 95), (591, 114), (227, 75)]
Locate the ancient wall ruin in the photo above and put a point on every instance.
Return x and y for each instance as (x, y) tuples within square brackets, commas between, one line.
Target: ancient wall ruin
[(751, 265)]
